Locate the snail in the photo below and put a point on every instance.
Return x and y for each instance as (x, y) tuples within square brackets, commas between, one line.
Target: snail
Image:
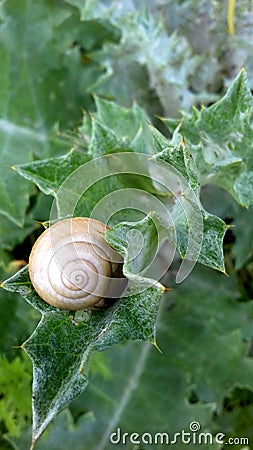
[(72, 267)]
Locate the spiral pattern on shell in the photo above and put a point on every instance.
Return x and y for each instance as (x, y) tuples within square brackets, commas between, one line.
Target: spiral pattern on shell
[(71, 265)]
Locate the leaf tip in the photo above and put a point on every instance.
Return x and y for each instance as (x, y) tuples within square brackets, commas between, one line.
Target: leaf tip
[(154, 343), (223, 271), (157, 117), (45, 224), (166, 289)]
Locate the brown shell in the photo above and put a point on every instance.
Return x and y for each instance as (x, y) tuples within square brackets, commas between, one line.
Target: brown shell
[(71, 265)]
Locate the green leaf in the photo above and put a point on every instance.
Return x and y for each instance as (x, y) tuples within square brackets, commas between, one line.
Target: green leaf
[(226, 324), (118, 128), (15, 406), (90, 187), (220, 141), (14, 194), (104, 141), (211, 254), (214, 338), (138, 242), (221, 120), (45, 79), (237, 421), (214, 229), (209, 342), (17, 320), (243, 246), (52, 40), (49, 174), (79, 187), (53, 56), (12, 235), (177, 155), (163, 71), (133, 316), (125, 122), (57, 380)]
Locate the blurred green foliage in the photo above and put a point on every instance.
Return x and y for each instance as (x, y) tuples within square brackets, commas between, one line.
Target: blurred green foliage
[(167, 56)]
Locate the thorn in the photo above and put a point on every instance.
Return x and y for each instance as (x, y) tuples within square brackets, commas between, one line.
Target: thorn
[(166, 289), (44, 224), (154, 343), (159, 117), (225, 272), (228, 226)]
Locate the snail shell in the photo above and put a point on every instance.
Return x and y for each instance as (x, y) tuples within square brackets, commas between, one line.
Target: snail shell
[(71, 265)]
